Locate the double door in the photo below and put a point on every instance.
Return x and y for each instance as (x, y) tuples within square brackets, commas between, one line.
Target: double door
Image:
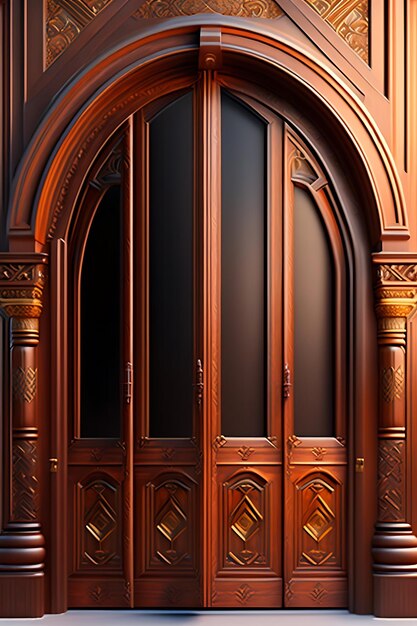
[(207, 456)]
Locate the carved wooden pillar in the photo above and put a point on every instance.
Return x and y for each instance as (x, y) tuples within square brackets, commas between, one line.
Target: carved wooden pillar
[(21, 541), (394, 545)]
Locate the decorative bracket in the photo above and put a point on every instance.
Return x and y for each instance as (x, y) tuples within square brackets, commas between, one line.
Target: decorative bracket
[(210, 56)]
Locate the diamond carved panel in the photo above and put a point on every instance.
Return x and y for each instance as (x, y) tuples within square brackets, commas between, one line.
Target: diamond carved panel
[(98, 506), (170, 514), (318, 522), (244, 510)]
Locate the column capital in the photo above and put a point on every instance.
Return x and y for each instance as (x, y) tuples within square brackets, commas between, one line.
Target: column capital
[(22, 279), (395, 285)]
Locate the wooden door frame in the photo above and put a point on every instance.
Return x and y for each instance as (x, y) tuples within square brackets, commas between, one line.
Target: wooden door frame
[(125, 80)]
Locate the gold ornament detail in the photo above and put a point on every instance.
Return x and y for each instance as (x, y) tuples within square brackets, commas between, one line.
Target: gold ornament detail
[(350, 19), (240, 8), (65, 19)]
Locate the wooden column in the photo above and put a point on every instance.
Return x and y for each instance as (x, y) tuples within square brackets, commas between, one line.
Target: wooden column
[(22, 552), (394, 545)]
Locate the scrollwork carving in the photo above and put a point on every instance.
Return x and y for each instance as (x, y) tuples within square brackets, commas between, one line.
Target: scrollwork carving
[(242, 8), (350, 19), (64, 22)]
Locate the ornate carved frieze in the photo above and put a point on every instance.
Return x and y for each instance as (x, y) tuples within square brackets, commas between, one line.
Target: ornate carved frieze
[(241, 8), (350, 19), (21, 286), (65, 19)]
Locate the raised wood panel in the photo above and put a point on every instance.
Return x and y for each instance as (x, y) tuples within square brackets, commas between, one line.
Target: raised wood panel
[(96, 526), (167, 534), (248, 552), (98, 513), (315, 522)]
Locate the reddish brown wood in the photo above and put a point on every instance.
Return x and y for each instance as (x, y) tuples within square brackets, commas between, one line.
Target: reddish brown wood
[(360, 131)]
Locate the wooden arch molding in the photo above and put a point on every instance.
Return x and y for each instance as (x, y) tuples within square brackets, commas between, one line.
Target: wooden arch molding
[(104, 95), (51, 176)]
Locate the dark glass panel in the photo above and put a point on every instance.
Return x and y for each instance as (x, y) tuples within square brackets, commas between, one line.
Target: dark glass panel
[(314, 322), (171, 270), (243, 271), (101, 322)]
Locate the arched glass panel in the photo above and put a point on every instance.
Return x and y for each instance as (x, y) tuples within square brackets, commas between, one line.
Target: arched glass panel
[(243, 271), (171, 270), (100, 345), (314, 307)]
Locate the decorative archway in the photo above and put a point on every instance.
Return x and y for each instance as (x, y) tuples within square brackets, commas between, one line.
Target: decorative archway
[(45, 194)]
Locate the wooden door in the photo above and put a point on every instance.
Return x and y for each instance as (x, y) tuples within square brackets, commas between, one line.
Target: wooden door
[(220, 486)]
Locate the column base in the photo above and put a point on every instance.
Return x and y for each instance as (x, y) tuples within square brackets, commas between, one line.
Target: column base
[(395, 595), (22, 595)]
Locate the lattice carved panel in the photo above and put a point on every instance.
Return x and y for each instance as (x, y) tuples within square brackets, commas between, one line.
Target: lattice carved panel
[(245, 518), (25, 492), (350, 19), (65, 19), (242, 8), (391, 457), (318, 521), (170, 519), (99, 525)]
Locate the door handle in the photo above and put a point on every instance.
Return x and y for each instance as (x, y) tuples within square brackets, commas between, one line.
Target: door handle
[(286, 382), (199, 385)]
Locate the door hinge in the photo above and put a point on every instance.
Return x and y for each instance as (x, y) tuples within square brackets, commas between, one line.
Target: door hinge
[(199, 384), (53, 465), (128, 382), (286, 383)]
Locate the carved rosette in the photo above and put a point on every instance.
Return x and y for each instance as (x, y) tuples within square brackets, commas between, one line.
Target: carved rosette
[(22, 279), (394, 546)]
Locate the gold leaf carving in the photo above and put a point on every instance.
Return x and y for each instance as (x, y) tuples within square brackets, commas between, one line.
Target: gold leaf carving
[(350, 19), (65, 19), (241, 8)]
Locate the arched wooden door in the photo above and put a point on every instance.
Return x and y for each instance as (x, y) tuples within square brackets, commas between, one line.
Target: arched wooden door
[(208, 460)]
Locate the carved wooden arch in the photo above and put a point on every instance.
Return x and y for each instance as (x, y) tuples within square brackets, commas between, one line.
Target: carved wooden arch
[(103, 96)]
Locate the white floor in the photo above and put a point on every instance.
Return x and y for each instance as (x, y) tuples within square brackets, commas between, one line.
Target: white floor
[(214, 618)]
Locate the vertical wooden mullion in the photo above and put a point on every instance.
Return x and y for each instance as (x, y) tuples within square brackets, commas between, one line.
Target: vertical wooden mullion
[(211, 207), (274, 280), (127, 338), (288, 354)]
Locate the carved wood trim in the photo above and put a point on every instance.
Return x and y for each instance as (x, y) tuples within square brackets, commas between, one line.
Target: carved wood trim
[(350, 19), (268, 9), (65, 19)]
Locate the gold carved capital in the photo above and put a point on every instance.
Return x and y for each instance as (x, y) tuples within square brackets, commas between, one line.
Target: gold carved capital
[(395, 297), (22, 280)]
